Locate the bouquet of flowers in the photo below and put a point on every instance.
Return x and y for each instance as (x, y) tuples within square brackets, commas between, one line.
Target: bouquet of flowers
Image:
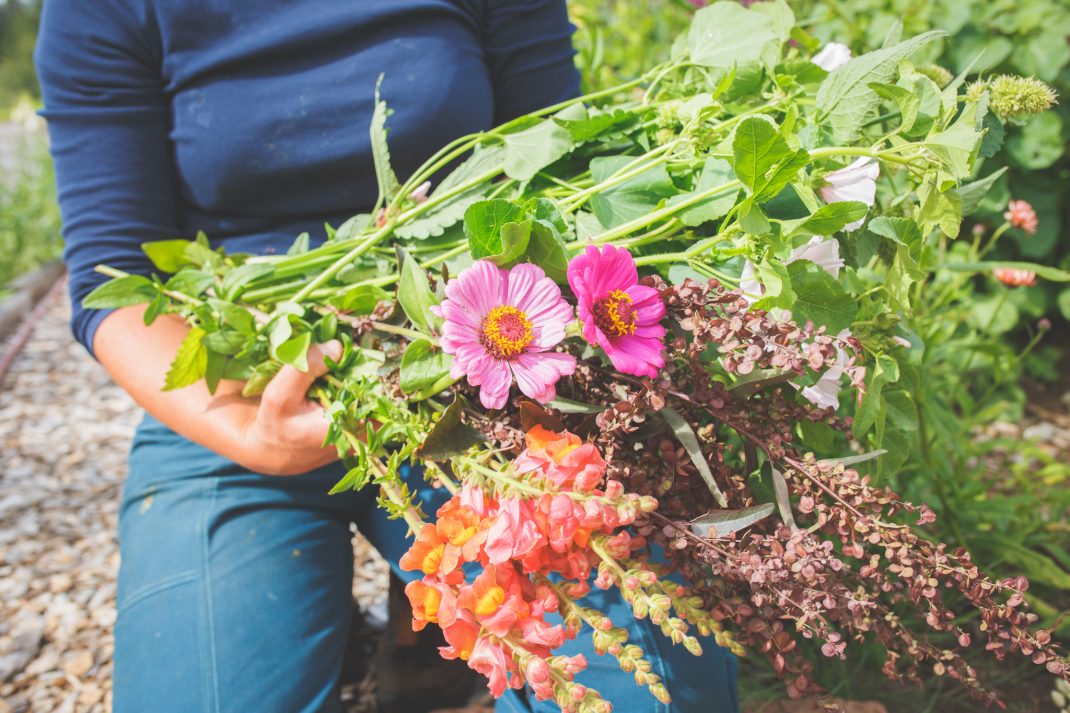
[(617, 332)]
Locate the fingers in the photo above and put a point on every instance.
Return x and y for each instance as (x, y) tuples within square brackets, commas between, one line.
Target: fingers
[(286, 392)]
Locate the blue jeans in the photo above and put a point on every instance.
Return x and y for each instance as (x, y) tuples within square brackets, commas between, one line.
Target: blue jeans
[(235, 594)]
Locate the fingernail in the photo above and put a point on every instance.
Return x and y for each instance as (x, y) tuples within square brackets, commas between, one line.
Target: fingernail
[(332, 349)]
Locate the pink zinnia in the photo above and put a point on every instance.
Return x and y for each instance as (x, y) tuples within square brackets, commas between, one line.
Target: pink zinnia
[(502, 324), (1021, 215), (618, 314)]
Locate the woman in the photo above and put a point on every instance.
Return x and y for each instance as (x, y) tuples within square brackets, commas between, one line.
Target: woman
[(248, 121)]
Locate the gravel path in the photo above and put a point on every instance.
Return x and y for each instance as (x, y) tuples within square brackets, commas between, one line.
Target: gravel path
[(64, 433)]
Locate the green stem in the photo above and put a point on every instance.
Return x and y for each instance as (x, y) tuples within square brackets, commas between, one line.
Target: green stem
[(410, 334), (176, 296)]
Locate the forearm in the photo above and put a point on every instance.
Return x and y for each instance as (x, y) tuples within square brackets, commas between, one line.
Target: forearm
[(278, 433), (138, 357)]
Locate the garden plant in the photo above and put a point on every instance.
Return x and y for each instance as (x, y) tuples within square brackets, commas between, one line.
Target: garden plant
[(671, 337)]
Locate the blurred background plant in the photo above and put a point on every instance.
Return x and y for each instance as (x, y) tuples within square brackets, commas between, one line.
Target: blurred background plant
[(988, 348), (29, 217)]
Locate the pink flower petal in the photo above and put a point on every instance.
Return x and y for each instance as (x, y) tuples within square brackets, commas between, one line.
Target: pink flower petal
[(537, 374), (494, 386), (639, 356)]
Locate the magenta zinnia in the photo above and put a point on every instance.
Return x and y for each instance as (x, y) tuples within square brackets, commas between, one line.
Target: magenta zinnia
[(618, 314), (502, 324)]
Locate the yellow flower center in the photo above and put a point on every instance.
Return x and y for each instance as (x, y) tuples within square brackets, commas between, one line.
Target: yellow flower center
[(505, 332), (490, 602), (432, 602), (433, 558), (614, 315)]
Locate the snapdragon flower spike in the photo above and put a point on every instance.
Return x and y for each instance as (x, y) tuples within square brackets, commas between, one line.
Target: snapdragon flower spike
[(503, 324), (618, 314), (497, 621)]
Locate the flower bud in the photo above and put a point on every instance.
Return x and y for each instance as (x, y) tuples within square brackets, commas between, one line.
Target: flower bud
[(1014, 97), (661, 693), (940, 76), (1021, 215)]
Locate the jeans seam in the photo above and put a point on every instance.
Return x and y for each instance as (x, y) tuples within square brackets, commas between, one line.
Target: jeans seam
[(144, 592), (208, 652)]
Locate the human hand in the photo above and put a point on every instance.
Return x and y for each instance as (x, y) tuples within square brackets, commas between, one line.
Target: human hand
[(284, 434)]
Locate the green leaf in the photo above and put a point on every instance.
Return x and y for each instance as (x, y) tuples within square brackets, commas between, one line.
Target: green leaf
[(294, 351), (633, 198), (414, 293), (361, 299), (757, 147), (721, 523), (423, 366), (262, 375), (885, 371), (1063, 301), (498, 230), (908, 102), (213, 370), (686, 435), (903, 273), (715, 172), (903, 231), (384, 173), (939, 208), (121, 292), (483, 162), (235, 316), (449, 437), (726, 34), (225, 341), (827, 219), (993, 138), (783, 174), (972, 193), (530, 150), (1039, 143), (190, 282), (597, 125), (958, 144), (547, 250), (845, 99), (156, 307), (167, 255), (819, 298), (190, 363), (238, 278), (299, 246)]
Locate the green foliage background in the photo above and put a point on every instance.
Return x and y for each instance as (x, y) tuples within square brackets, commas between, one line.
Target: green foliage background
[(1002, 497), (1031, 37)]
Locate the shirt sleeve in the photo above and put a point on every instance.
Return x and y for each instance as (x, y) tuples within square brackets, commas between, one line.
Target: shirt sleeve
[(528, 46), (109, 120)]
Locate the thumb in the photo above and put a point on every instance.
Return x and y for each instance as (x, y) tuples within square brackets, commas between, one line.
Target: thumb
[(287, 391)]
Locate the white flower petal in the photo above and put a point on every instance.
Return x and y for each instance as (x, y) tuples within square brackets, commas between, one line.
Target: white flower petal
[(823, 253), (832, 55)]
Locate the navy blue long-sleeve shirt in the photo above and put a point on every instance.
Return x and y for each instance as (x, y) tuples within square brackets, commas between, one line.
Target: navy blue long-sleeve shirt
[(248, 119)]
